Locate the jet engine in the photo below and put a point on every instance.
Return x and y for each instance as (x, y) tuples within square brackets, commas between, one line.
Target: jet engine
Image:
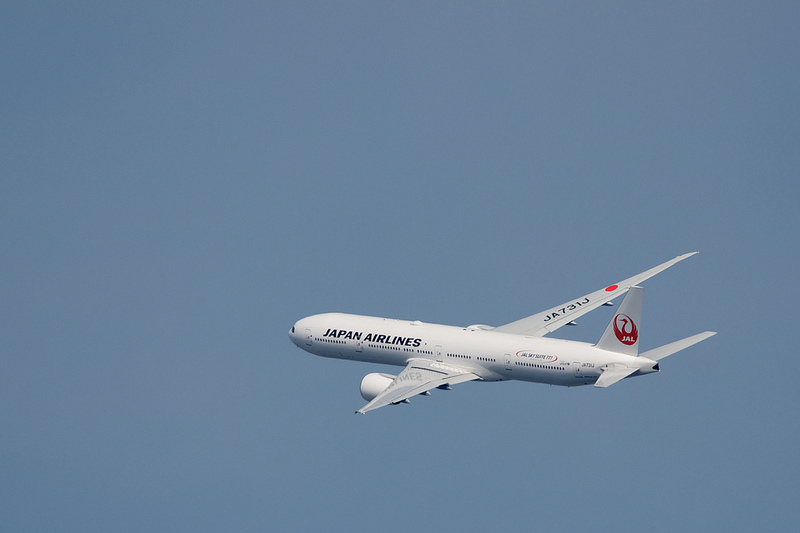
[(374, 384)]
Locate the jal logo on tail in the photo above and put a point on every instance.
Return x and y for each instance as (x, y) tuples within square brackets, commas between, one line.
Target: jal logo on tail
[(625, 329)]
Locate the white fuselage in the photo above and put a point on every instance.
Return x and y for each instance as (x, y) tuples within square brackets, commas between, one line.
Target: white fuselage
[(492, 355)]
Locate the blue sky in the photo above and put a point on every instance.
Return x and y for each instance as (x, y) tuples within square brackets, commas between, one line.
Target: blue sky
[(182, 183)]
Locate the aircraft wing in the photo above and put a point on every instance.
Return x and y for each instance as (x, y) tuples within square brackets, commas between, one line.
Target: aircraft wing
[(418, 377), (548, 321)]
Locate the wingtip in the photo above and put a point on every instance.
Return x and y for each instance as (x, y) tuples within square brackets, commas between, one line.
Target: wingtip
[(683, 256)]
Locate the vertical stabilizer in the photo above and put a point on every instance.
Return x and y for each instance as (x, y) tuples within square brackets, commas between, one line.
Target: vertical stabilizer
[(622, 333)]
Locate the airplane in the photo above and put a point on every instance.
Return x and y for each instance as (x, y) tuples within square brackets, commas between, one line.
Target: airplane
[(437, 356)]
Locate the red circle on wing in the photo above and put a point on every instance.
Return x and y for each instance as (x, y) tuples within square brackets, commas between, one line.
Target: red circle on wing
[(612, 288)]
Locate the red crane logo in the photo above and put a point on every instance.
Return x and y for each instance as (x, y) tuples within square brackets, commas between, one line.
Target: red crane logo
[(625, 329)]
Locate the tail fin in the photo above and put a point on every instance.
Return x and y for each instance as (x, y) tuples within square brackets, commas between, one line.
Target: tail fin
[(622, 333)]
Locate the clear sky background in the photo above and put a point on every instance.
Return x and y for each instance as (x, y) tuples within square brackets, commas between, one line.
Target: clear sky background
[(181, 183)]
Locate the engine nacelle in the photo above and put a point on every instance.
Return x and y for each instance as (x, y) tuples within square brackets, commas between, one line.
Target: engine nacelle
[(374, 384)]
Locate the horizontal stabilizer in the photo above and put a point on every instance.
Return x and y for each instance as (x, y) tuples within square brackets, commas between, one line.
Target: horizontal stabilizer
[(613, 374), (677, 346)]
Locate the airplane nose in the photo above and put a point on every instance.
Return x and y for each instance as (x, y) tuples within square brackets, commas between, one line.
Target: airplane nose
[(294, 333), (301, 332)]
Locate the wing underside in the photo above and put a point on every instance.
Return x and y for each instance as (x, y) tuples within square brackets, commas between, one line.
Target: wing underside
[(548, 321), (418, 377)]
